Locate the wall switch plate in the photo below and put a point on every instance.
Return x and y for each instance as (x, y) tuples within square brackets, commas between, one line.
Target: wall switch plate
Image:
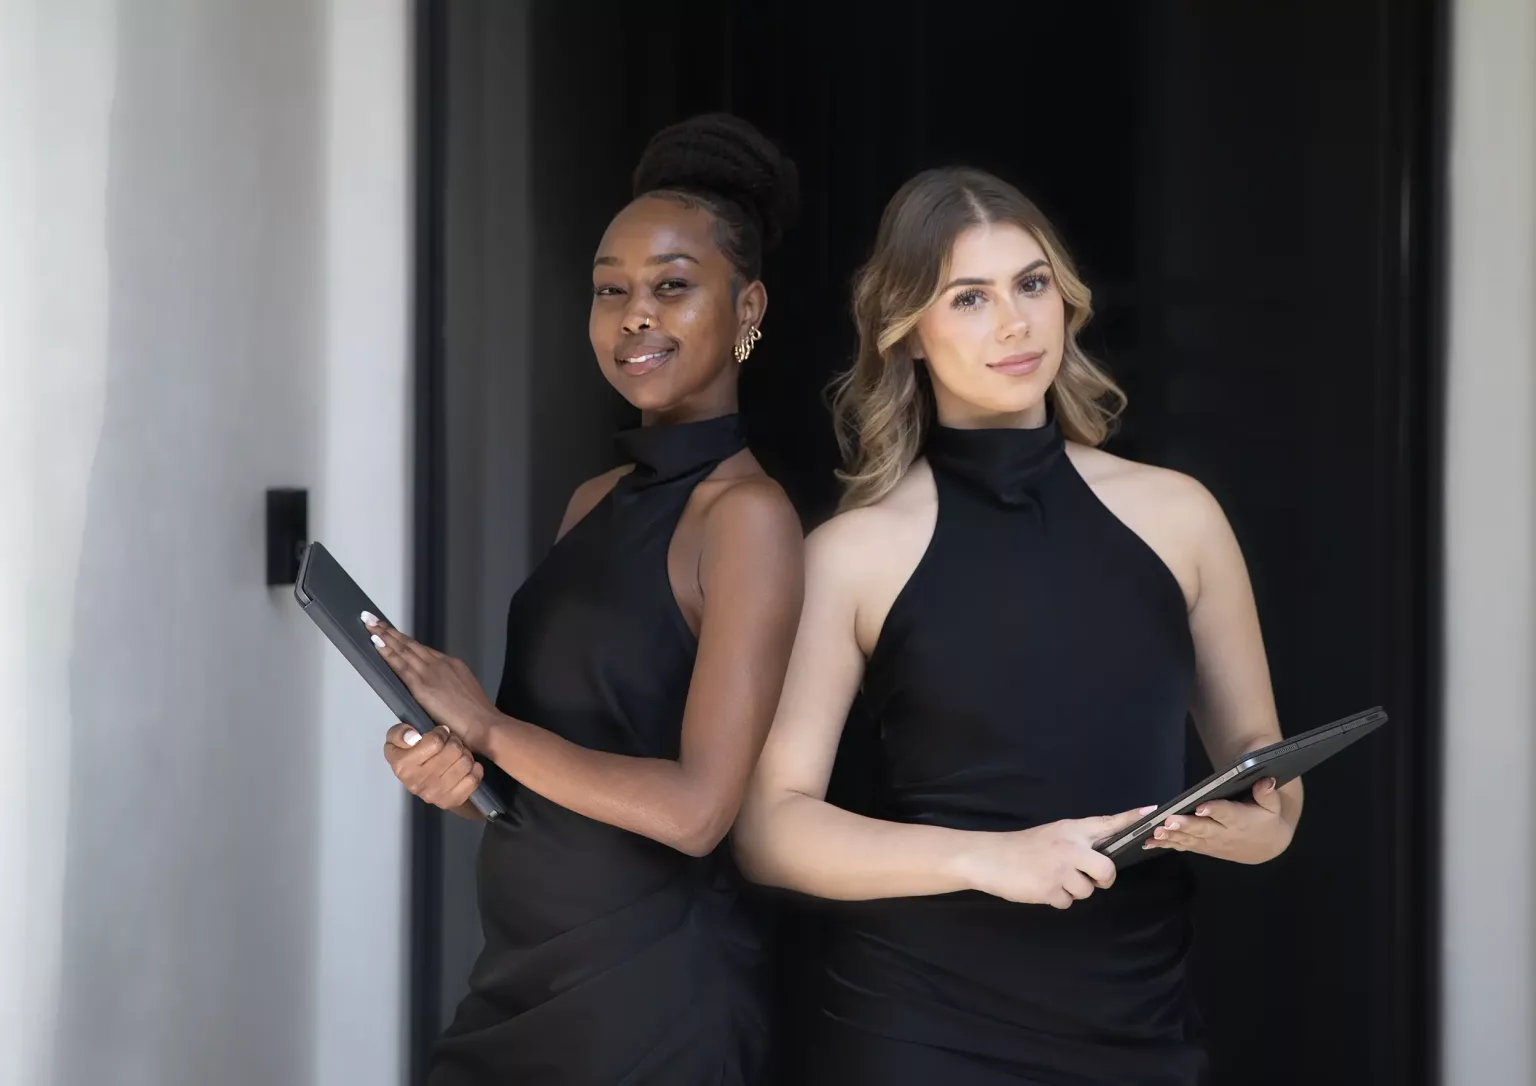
[(287, 533)]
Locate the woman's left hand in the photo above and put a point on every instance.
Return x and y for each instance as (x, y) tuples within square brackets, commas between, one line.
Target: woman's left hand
[(444, 686), (1245, 833)]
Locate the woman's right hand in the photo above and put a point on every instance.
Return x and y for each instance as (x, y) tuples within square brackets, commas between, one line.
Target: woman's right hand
[(436, 767), (1054, 864)]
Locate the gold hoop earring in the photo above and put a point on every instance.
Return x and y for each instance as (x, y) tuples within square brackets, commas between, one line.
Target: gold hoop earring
[(744, 346)]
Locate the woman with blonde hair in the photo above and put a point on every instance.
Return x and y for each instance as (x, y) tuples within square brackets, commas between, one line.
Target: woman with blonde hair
[(1030, 620)]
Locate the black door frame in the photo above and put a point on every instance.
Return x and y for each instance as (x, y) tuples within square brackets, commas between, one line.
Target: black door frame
[(429, 492), (1416, 38)]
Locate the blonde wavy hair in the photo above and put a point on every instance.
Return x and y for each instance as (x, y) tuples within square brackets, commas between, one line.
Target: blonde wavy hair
[(884, 405)]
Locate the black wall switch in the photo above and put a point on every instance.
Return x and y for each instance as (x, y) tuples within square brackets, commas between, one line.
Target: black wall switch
[(287, 533)]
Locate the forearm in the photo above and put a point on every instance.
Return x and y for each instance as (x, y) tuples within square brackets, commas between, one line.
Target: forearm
[(798, 842), (653, 797)]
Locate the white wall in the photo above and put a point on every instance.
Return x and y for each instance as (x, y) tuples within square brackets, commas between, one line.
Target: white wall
[(54, 299), (362, 960), (204, 208), (1490, 603)]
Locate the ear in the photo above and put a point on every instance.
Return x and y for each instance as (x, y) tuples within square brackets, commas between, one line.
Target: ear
[(751, 307)]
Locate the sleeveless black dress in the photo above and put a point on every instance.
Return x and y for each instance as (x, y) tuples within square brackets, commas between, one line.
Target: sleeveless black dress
[(609, 958), (1036, 666)]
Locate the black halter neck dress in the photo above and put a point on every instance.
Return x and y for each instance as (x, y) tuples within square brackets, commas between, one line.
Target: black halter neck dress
[(1036, 666), (609, 958)]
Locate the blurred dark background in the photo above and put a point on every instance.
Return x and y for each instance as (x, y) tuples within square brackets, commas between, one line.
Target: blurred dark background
[(1252, 191)]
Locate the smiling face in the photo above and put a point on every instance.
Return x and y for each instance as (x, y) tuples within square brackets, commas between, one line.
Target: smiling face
[(993, 338), (667, 310)]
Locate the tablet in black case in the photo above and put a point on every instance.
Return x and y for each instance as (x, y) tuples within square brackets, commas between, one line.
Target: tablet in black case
[(336, 604), (1284, 761)]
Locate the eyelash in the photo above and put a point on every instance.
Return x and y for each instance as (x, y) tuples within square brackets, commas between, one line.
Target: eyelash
[(666, 286), (968, 299)]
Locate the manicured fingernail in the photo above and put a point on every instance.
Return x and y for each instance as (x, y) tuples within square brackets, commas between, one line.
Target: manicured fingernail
[(370, 619), (1271, 782), (1146, 844), (1172, 825), (412, 737), (378, 642), (1147, 810), (1160, 833), (1202, 811)]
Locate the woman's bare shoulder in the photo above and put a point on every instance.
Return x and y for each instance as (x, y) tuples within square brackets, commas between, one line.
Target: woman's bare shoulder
[(1178, 495), (863, 557), (586, 496)]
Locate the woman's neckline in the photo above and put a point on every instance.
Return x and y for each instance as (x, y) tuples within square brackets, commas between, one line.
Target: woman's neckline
[(663, 453), (1003, 461)]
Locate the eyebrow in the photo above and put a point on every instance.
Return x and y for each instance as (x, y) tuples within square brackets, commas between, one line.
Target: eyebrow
[(659, 258), (1041, 263)]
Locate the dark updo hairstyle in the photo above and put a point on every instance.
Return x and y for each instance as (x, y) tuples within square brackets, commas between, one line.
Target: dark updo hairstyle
[(721, 163)]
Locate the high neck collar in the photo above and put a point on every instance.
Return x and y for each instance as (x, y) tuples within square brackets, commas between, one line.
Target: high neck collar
[(1005, 463), (662, 454)]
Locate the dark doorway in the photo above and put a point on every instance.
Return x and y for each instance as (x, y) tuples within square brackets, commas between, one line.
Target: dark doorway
[(1253, 193)]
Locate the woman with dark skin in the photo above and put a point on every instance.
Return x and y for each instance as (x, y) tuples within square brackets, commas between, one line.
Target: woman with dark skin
[(644, 660)]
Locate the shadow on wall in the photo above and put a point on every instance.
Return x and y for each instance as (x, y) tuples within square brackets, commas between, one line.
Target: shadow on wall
[(190, 866)]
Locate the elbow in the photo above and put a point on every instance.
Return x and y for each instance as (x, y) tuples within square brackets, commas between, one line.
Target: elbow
[(750, 847), (698, 843), (700, 832), (752, 864)]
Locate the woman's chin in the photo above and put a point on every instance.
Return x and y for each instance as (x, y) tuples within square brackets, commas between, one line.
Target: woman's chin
[(1007, 410), (666, 391), (651, 396)]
